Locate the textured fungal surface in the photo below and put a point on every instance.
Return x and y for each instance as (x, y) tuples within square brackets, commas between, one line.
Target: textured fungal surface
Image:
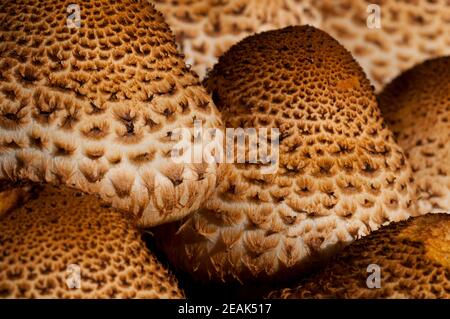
[(95, 107), (9, 199), (412, 256), (416, 106), (340, 174), (42, 241), (205, 29), (410, 31)]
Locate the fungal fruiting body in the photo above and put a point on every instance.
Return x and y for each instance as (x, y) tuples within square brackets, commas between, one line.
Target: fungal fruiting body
[(94, 103), (340, 174), (205, 29), (416, 106), (64, 244), (408, 259), (385, 36)]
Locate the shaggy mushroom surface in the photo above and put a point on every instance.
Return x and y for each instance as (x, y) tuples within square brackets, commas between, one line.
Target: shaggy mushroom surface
[(412, 258), (339, 176), (63, 237), (416, 106), (98, 106)]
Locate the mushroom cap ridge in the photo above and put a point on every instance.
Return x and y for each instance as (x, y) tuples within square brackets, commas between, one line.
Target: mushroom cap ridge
[(95, 107), (340, 174)]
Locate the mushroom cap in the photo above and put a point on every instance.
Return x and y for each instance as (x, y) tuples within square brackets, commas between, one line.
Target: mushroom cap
[(205, 29), (416, 106), (43, 240), (410, 32), (340, 174), (412, 256), (95, 107)]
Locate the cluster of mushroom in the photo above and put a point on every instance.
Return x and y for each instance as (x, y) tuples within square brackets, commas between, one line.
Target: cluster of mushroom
[(90, 117)]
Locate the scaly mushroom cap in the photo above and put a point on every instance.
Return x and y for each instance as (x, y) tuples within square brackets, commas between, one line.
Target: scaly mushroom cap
[(416, 106), (42, 243), (412, 257), (340, 173), (411, 32), (95, 107), (205, 29)]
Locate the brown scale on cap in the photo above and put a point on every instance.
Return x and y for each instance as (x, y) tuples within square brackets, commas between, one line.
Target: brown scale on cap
[(416, 106), (61, 227), (411, 32), (340, 175), (205, 29), (94, 107), (412, 256)]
